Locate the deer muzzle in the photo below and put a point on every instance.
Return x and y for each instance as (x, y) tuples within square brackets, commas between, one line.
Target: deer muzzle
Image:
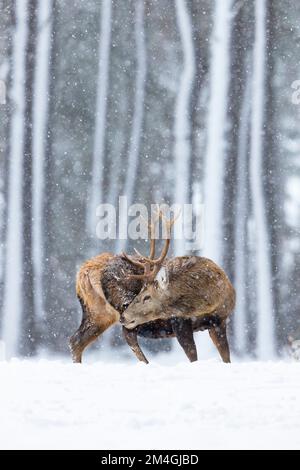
[(129, 323)]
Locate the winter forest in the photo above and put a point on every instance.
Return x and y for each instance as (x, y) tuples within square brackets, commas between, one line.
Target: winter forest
[(184, 101)]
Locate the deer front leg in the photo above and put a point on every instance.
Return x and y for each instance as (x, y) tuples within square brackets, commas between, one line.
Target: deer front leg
[(131, 339), (219, 337), (183, 330)]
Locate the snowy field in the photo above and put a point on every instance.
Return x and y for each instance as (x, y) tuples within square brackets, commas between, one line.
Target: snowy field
[(205, 405)]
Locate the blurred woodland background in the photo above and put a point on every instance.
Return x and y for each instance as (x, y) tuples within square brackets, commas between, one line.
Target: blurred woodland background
[(161, 101)]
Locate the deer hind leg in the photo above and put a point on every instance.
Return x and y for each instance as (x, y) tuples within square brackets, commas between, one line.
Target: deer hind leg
[(219, 337), (85, 335), (131, 339), (183, 330)]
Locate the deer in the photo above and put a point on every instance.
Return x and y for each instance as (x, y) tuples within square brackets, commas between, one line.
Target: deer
[(104, 288), (191, 292)]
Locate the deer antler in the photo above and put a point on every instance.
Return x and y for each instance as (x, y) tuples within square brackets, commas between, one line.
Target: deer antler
[(168, 224), (146, 262), (151, 234)]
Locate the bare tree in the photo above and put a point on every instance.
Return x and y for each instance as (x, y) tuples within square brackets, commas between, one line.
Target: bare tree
[(6, 63), (274, 180), (28, 336)]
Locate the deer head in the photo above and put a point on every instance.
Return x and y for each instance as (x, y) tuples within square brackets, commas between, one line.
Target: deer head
[(184, 286), (147, 306)]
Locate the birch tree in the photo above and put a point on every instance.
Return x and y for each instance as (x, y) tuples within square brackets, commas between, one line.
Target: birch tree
[(216, 130), (265, 319), (28, 334), (12, 303), (182, 130)]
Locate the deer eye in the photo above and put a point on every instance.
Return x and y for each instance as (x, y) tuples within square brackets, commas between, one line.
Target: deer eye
[(147, 297)]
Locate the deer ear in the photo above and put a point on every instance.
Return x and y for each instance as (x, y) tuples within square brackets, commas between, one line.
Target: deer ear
[(162, 278)]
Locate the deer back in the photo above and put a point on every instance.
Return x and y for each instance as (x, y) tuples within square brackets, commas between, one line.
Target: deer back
[(197, 285)]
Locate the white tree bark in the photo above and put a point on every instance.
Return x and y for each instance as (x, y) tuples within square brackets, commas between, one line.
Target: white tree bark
[(240, 320), (12, 307), (40, 109), (216, 142), (182, 129), (265, 320), (138, 113), (96, 196)]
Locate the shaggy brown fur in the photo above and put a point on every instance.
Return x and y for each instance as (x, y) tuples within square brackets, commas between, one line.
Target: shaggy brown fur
[(192, 287), (89, 275), (105, 290), (188, 287), (98, 314)]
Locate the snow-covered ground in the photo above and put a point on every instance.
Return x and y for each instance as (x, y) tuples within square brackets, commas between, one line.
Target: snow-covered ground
[(104, 405)]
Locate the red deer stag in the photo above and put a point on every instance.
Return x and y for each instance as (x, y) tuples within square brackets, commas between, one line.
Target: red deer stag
[(191, 292), (104, 290)]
